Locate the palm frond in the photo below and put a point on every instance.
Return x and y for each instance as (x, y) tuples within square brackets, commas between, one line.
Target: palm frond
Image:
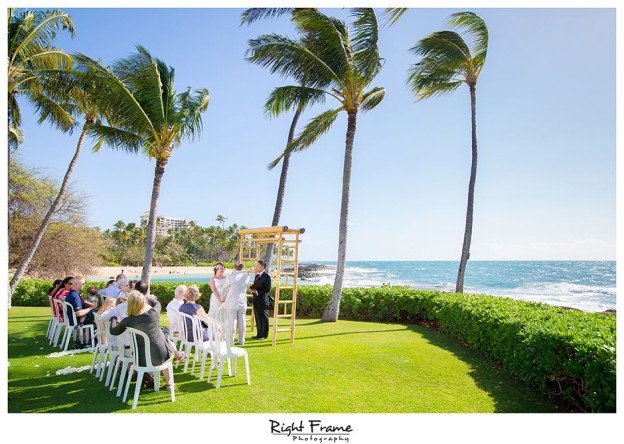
[(327, 37), (254, 14), (393, 15), (446, 47), (475, 27), (317, 126), (366, 36), (16, 136), (190, 107), (36, 31), (58, 114), (116, 95), (288, 57), (372, 98), (284, 98), (116, 138)]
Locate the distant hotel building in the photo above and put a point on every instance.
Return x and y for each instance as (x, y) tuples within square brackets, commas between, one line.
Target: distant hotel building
[(165, 224)]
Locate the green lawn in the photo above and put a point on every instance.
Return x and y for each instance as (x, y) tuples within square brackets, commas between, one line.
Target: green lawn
[(343, 367)]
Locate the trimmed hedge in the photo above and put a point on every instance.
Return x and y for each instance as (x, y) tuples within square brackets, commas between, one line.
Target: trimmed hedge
[(565, 353)]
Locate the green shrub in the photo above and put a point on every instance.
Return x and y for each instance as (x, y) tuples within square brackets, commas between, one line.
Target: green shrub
[(562, 352)]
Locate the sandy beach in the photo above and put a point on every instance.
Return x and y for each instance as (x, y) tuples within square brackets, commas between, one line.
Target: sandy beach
[(135, 272)]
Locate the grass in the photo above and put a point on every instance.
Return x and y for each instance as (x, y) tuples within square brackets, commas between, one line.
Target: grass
[(343, 367)]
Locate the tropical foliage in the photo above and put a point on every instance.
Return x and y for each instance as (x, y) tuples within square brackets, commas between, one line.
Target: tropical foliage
[(193, 245), (32, 59)]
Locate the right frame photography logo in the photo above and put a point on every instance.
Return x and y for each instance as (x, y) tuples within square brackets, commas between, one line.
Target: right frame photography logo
[(312, 430)]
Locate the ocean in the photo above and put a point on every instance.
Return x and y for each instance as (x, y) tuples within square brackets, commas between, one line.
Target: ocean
[(586, 285)]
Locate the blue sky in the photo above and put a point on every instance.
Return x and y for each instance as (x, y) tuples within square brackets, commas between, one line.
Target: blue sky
[(545, 120)]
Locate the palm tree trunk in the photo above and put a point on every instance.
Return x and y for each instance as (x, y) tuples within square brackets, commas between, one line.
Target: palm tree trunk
[(281, 189), (459, 287), (23, 266), (151, 222), (333, 307)]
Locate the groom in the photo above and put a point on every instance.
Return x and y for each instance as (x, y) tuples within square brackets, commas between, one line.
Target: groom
[(260, 289)]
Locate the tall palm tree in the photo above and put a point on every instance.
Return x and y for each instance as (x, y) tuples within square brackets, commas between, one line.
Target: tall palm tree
[(31, 57), (336, 64), (156, 119), (249, 16), (221, 219), (77, 101), (447, 62)]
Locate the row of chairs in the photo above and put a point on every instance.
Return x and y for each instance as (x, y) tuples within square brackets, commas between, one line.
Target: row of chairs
[(62, 312), (118, 359), (218, 347)]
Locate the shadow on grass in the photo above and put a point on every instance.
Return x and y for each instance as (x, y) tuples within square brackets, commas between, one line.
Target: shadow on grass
[(76, 393), (509, 394)]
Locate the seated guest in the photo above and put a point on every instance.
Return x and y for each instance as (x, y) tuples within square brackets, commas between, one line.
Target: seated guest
[(61, 294), (173, 308), (192, 308), (124, 287), (55, 286), (90, 300), (112, 291), (73, 298), (142, 317), (107, 306)]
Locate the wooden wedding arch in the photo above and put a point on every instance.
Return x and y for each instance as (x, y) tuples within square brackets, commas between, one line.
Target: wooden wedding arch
[(252, 243)]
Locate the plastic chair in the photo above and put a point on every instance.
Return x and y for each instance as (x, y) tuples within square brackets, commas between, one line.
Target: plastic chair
[(148, 368), (125, 361), (175, 331), (56, 333), (101, 347), (202, 348), (71, 330), (222, 350), (53, 320)]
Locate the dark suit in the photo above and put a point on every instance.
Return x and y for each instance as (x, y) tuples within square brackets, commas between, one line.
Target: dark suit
[(262, 284)]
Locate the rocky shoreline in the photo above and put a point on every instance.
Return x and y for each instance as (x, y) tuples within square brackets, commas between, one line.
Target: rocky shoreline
[(308, 271)]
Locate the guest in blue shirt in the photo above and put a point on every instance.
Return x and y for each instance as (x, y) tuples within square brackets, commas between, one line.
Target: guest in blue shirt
[(74, 299)]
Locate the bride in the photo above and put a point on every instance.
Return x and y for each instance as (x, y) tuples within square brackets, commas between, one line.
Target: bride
[(217, 283)]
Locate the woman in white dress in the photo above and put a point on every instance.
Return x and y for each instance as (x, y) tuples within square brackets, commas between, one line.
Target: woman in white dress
[(216, 285)]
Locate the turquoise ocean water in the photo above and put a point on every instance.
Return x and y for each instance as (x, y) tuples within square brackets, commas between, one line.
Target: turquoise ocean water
[(587, 285)]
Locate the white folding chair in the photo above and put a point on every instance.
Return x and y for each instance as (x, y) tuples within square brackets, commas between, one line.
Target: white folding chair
[(71, 330), (147, 368), (53, 320), (101, 347), (222, 350), (60, 321), (191, 327)]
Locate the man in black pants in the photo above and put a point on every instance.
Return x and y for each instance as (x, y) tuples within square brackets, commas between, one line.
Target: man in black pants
[(260, 290)]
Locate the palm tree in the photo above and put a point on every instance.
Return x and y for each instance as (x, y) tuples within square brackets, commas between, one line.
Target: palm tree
[(221, 219), (31, 57), (74, 98), (334, 63), (249, 16), (447, 62), (156, 119)]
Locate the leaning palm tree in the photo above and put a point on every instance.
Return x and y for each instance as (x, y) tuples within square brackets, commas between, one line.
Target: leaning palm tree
[(155, 119), (334, 63), (249, 16), (31, 58), (75, 99), (447, 62)]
